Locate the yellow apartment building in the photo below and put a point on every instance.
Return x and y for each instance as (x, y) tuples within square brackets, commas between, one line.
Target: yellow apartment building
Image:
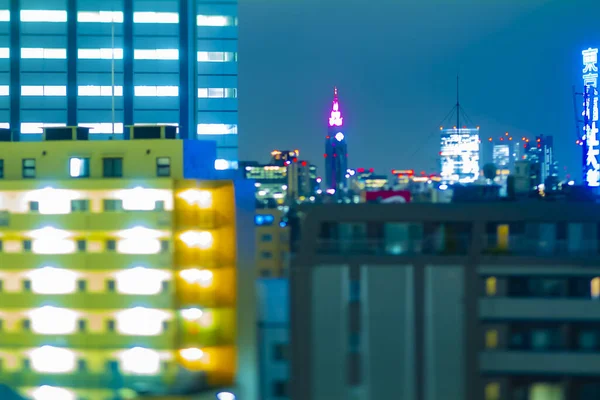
[(272, 243), (120, 269)]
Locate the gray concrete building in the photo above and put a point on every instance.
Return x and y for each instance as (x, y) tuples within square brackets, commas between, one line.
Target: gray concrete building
[(494, 301)]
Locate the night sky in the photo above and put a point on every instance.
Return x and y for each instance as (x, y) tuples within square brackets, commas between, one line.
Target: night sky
[(395, 64)]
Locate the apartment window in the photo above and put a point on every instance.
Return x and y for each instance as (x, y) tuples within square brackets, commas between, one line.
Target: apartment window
[(159, 205), (112, 167), (80, 205), (595, 288), (523, 286), (267, 255), (82, 285), (540, 338), (27, 246), (81, 245), (164, 246), (492, 391), (52, 90), (280, 352), (43, 16), (113, 205), (156, 54), (34, 206), (588, 339), (267, 237), (29, 168), (214, 20), (27, 285), (40, 53), (280, 389), (491, 339), (79, 167), (163, 166), (26, 325), (156, 91), (100, 16), (110, 285), (111, 245), (491, 286), (1, 168), (155, 17), (100, 54)]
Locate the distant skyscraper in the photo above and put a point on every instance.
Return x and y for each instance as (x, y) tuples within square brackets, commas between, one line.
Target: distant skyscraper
[(459, 155), (336, 150), (540, 155)]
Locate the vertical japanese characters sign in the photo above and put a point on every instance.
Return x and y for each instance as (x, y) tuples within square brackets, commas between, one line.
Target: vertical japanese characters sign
[(590, 81)]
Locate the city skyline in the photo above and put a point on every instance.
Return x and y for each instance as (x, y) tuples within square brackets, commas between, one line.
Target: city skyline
[(504, 52)]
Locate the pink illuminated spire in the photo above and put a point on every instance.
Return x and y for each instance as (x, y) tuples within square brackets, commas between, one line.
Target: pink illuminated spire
[(335, 119)]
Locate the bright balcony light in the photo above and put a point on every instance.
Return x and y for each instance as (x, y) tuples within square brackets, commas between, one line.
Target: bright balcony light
[(202, 198), (191, 314), (53, 246), (49, 320), (225, 396), (140, 321), (191, 354), (140, 361), (140, 281), (200, 240), (193, 275), (52, 393), (52, 360), (139, 199), (49, 232), (138, 246), (49, 280)]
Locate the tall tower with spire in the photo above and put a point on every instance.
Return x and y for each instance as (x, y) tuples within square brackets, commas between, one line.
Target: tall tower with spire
[(336, 149)]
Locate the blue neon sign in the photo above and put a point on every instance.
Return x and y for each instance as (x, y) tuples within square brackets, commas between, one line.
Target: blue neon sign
[(590, 80)]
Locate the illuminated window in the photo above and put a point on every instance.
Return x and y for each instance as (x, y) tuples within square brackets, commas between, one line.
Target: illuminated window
[(204, 278), (156, 91), (112, 167), (49, 320), (4, 15), (100, 54), (492, 391), (140, 281), (198, 239), (491, 286), (263, 219), (140, 361), (595, 288), (29, 168), (217, 129), (216, 56), (491, 339), (156, 54), (104, 127), (44, 53), (43, 16), (37, 127), (46, 392), (53, 360), (4, 90), (155, 17), (214, 20), (140, 321), (502, 231), (4, 52), (79, 167), (50, 280), (217, 93), (202, 198), (100, 16), (163, 166), (105, 91)]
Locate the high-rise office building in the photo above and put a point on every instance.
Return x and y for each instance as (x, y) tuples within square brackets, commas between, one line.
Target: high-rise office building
[(543, 165), (459, 155), (336, 150), (115, 63), (122, 268)]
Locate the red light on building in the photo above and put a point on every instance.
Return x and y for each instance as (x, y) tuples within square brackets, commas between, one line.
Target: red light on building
[(304, 163), (295, 159), (324, 155), (371, 170), (360, 170)]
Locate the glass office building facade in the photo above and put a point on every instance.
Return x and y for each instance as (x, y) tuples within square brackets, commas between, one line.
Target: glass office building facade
[(109, 64)]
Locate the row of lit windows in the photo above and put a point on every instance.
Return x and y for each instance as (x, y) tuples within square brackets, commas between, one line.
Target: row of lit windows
[(133, 322), (59, 360), (544, 286), (107, 91), (140, 91), (107, 127), (117, 54), (138, 281), (116, 17)]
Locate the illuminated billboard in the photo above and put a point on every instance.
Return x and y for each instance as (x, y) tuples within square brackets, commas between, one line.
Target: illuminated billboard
[(459, 155), (590, 114)]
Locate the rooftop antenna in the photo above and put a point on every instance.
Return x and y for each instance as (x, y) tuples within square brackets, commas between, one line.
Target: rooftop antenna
[(457, 105)]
